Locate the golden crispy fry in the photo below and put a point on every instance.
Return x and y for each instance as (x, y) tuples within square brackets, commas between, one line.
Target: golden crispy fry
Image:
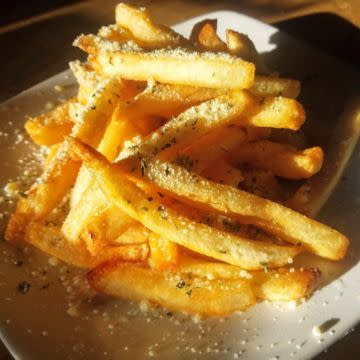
[(176, 227), (282, 160), (44, 195), (270, 216), (193, 295), (236, 108), (87, 79), (164, 253), (275, 86), (194, 36), (284, 285), (209, 40), (178, 66), (273, 285), (51, 128), (139, 22), (241, 45), (49, 239)]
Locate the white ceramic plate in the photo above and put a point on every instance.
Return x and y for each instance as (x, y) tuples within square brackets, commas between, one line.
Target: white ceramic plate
[(36, 324)]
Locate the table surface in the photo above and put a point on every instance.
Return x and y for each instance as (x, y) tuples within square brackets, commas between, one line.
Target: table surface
[(35, 48)]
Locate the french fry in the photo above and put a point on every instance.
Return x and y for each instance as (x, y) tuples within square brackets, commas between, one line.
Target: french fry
[(49, 239), (283, 160), (275, 86), (237, 108), (44, 195), (94, 220), (262, 183), (145, 31), (284, 285), (168, 223), (272, 285), (193, 295), (124, 125), (222, 172), (194, 36), (164, 254), (218, 144), (115, 33), (134, 234), (94, 117), (51, 128), (209, 40), (241, 45), (178, 66), (251, 209)]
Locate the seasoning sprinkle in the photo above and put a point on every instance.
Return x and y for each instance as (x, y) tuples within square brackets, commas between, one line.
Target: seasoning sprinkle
[(23, 287)]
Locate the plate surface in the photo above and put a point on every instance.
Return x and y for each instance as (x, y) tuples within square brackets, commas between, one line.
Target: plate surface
[(57, 318)]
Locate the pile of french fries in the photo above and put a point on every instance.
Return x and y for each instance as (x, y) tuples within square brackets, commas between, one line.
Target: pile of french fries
[(163, 177)]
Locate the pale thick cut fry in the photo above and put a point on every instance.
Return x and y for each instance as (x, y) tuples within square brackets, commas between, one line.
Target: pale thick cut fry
[(272, 285), (192, 295), (50, 240), (170, 100), (283, 160), (164, 254), (176, 227), (139, 22), (241, 45), (51, 128), (179, 66), (251, 209), (209, 40), (45, 194), (237, 108)]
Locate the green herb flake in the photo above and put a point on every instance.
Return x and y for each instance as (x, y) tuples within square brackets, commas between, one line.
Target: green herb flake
[(23, 287), (180, 284)]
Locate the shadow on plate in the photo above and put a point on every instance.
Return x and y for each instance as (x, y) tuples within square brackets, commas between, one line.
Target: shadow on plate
[(327, 86)]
